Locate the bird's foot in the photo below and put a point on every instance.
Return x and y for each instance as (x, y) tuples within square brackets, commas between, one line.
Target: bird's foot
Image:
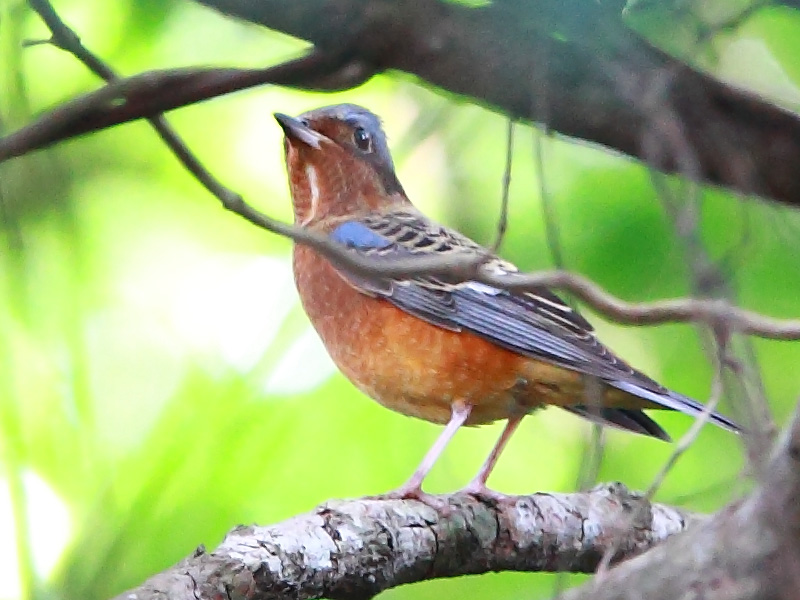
[(479, 490), (414, 492)]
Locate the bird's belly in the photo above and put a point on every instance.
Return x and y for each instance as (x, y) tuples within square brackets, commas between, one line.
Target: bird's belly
[(416, 368), (421, 370)]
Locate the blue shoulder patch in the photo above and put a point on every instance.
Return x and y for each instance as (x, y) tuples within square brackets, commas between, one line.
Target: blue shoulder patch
[(358, 235)]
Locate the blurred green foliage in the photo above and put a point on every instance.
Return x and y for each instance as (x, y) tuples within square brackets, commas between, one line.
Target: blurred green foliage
[(159, 383)]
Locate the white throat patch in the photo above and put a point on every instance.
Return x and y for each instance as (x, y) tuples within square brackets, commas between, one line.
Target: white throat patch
[(313, 187)]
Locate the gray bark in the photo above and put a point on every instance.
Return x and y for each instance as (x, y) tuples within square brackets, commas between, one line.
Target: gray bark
[(355, 549)]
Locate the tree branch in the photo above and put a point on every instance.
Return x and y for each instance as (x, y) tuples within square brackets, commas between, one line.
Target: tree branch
[(154, 92), (595, 80), (716, 313), (467, 266), (750, 551), (65, 38), (570, 64), (358, 548)]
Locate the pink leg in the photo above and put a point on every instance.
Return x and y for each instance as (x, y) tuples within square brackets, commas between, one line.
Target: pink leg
[(478, 485), (413, 487)]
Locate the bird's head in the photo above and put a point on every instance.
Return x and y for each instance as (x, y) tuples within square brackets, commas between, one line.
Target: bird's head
[(338, 163)]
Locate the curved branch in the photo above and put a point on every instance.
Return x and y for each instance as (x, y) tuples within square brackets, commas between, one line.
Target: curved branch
[(719, 314), (149, 94), (358, 548)]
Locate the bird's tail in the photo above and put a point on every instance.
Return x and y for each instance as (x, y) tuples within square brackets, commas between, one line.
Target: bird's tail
[(628, 419), (673, 401)]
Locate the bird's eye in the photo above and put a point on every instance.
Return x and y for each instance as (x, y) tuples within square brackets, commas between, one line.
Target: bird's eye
[(362, 139)]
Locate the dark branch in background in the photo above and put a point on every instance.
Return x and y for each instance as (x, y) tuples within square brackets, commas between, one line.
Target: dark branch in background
[(149, 94), (358, 548), (598, 75), (154, 92)]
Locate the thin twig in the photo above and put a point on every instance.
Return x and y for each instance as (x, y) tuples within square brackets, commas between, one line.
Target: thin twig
[(746, 394), (502, 223), (154, 92), (690, 436), (548, 208), (679, 310), (468, 266), (742, 382), (66, 39), (683, 444)]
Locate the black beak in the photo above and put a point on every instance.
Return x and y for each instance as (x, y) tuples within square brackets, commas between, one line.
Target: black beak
[(296, 129)]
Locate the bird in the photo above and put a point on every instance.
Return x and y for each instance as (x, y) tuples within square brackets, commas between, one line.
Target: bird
[(448, 351)]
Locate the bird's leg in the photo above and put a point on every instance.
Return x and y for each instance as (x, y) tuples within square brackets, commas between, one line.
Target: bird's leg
[(477, 486), (413, 487)]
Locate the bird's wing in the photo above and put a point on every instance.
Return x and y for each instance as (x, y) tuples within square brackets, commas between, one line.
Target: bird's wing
[(535, 323)]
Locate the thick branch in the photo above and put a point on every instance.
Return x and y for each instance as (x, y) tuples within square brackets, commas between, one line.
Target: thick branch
[(358, 548), (594, 80), (570, 65)]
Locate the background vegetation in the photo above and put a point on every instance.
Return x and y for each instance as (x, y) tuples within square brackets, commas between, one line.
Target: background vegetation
[(159, 382)]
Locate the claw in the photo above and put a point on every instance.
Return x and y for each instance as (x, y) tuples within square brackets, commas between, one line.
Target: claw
[(478, 489), (411, 492)]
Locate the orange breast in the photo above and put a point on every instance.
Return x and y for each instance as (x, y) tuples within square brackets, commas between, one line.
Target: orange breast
[(417, 368)]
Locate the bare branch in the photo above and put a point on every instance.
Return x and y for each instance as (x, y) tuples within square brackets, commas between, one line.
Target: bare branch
[(66, 39), (652, 313), (154, 92), (470, 267), (358, 548)]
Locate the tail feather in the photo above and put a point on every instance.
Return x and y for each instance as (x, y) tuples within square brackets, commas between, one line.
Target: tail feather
[(622, 418), (674, 401)]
